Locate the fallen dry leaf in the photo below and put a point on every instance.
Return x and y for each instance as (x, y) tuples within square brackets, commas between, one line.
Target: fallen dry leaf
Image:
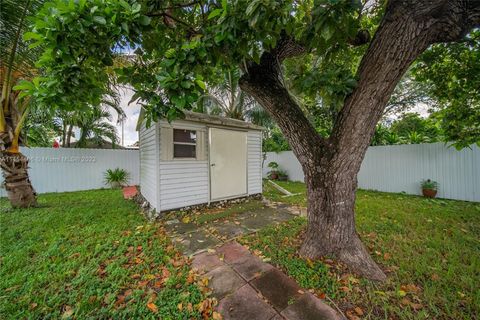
[(416, 306), (216, 316), (67, 313), (152, 306), (309, 263), (143, 283), (411, 288), (358, 311), (12, 288), (351, 315)]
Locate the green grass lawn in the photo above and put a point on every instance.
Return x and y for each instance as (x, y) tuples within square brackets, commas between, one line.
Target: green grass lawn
[(92, 255), (430, 250)]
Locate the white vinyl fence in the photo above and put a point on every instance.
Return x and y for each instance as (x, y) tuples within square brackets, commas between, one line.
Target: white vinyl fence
[(400, 168), (59, 170)]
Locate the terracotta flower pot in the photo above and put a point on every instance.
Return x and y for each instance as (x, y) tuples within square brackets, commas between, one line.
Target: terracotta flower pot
[(273, 176), (429, 193)]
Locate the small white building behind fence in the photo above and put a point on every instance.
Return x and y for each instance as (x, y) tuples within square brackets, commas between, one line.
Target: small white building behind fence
[(400, 168), (64, 169)]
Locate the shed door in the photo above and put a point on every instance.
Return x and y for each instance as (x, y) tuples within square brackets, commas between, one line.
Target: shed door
[(228, 163)]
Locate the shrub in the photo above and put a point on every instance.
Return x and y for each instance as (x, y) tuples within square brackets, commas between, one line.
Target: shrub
[(429, 184), (116, 178), (273, 165)]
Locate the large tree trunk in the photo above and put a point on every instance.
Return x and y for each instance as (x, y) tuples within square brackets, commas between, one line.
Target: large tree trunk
[(331, 185), (15, 173), (331, 165)]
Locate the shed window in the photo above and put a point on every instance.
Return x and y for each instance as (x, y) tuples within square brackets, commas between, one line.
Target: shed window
[(184, 143)]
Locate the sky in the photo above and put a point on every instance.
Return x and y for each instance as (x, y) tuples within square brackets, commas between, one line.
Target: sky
[(132, 111)]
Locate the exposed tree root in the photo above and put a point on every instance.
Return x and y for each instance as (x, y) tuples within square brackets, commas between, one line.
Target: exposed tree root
[(354, 256)]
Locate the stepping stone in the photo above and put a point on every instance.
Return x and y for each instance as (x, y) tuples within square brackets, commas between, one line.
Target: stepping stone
[(245, 304), (250, 267), (224, 281), (229, 230), (257, 222), (282, 215), (280, 290), (232, 251), (179, 227), (309, 307), (206, 261), (266, 217), (196, 242)]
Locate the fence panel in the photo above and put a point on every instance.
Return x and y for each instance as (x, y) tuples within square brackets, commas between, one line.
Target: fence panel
[(400, 168), (59, 170)]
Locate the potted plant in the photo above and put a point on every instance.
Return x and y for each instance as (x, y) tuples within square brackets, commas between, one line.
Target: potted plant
[(282, 175), (116, 178), (429, 188), (273, 174)]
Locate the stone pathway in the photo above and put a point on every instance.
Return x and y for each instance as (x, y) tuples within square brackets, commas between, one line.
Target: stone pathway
[(193, 239), (246, 287)]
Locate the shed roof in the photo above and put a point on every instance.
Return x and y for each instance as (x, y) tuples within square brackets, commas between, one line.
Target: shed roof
[(211, 119)]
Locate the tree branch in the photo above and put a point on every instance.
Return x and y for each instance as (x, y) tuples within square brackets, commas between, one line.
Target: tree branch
[(407, 29), (166, 15), (180, 5), (287, 47)]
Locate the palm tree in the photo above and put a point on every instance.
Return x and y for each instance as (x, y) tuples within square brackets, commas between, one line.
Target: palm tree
[(86, 120), (16, 63), (227, 99), (40, 128), (414, 137), (93, 126)]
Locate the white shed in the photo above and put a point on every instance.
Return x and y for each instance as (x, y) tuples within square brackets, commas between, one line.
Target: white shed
[(199, 159)]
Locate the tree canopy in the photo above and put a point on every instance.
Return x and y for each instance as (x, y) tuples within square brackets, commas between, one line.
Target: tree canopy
[(80, 39), (452, 77)]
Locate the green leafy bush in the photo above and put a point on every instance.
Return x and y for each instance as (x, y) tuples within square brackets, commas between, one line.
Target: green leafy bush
[(117, 177), (273, 165), (429, 184)]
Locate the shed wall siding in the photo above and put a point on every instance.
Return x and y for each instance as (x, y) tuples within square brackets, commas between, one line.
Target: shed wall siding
[(149, 164), (254, 168), (183, 182)]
